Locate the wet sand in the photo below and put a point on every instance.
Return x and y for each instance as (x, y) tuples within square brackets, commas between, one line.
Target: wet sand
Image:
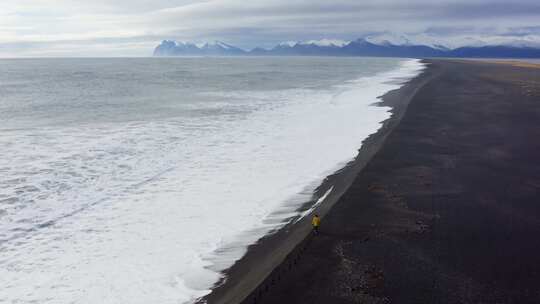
[(447, 211)]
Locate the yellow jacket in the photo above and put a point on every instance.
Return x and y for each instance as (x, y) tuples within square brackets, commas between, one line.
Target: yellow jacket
[(316, 221)]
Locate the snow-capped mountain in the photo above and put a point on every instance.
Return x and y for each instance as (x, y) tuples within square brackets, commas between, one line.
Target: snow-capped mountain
[(405, 40), (287, 44), (323, 47), (220, 48), (216, 48), (326, 42), (454, 42), (321, 42), (383, 45)]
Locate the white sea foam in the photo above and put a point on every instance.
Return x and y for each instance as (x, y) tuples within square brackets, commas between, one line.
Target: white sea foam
[(151, 212)]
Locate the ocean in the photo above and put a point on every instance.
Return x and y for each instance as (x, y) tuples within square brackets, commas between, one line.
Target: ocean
[(140, 180)]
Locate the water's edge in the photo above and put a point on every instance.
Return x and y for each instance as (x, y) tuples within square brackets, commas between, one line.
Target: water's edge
[(253, 273)]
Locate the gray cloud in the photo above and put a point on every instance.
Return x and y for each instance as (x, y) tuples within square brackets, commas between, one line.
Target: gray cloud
[(132, 27)]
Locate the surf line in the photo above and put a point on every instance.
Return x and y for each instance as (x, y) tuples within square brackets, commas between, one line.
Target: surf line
[(317, 203)]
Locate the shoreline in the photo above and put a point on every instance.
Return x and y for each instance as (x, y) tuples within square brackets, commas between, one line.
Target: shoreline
[(445, 212), (257, 269)]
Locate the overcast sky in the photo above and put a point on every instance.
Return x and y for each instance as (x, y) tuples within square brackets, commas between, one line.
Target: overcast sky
[(135, 27)]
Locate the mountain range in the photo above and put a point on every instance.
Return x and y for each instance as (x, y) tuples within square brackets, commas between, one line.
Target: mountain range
[(359, 47)]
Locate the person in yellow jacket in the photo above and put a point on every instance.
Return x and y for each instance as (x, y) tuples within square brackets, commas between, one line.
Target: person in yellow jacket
[(316, 222)]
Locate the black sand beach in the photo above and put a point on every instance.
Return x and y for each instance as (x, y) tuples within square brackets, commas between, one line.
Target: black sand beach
[(443, 204), (276, 251)]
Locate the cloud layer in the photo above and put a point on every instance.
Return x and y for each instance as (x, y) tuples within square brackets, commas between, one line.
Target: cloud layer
[(134, 27)]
